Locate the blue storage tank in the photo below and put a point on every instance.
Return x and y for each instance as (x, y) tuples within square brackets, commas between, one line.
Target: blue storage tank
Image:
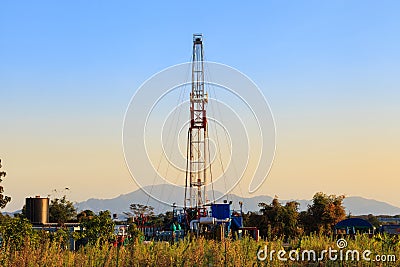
[(221, 211)]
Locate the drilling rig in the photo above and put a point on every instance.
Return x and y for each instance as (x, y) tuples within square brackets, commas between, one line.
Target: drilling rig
[(199, 214), (196, 172)]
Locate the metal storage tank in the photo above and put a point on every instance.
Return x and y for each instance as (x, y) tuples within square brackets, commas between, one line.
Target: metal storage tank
[(37, 209)]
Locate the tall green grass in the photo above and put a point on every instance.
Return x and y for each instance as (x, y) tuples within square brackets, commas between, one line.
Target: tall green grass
[(194, 252)]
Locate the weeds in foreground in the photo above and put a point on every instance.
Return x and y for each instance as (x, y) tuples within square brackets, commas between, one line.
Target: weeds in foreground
[(199, 252)]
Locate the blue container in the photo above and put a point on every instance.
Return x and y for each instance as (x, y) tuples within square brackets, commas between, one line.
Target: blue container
[(221, 211), (237, 222)]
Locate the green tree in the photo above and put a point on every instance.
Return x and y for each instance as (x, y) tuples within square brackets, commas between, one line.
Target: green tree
[(166, 219), (290, 219), (324, 212), (61, 237), (283, 220), (98, 228), (23, 212), (273, 213), (141, 210), (134, 232), (86, 214), (17, 231), (3, 218), (142, 213), (3, 199), (61, 210)]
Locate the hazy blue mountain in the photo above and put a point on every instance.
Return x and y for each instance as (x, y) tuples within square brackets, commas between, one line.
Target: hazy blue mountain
[(120, 204), (360, 206)]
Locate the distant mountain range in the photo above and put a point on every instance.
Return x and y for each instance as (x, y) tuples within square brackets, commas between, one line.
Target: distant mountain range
[(120, 204)]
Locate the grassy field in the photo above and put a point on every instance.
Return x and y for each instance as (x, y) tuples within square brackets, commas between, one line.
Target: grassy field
[(200, 252)]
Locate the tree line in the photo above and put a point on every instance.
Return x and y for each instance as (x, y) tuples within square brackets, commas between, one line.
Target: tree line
[(274, 220)]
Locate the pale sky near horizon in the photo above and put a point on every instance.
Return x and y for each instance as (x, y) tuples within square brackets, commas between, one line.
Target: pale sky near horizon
[(329, 70)]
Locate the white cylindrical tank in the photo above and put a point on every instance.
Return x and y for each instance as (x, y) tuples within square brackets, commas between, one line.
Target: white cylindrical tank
[(207, 220)]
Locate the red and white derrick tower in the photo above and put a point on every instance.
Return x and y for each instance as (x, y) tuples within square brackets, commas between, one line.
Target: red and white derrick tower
[(197, 165)]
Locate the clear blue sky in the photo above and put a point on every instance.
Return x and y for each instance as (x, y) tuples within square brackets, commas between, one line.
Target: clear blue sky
[(69, 68), (86, 47)]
